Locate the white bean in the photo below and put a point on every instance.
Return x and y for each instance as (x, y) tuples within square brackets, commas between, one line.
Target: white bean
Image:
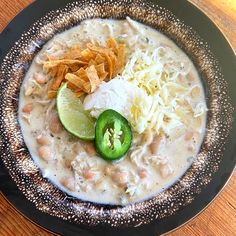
[(188, 135), (67, 163), (77, 148), (190, 77), (126, 29), (44, 139), (69, 183), (191, 147), (197, 122), (90, 149), (166, 170), (27, 108), (39, 78), (154, 146), (108, 170), (89, 175), (195, 93), (45, 153), (181, 79), (142, 173), (147, 137), (55, 124), (121, 178)]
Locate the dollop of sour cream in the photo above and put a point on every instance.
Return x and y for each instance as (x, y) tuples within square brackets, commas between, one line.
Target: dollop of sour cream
[(119, 95)]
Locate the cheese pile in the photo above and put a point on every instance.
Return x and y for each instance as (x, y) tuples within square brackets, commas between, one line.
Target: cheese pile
[(149, 93)]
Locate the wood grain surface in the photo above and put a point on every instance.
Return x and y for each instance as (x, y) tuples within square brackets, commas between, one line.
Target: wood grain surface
[(219, 218)]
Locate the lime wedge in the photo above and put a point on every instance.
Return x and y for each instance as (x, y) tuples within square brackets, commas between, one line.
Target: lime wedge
[(72, 115)]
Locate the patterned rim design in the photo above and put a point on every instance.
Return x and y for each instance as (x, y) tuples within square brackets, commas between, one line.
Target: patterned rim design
[(53, 201)]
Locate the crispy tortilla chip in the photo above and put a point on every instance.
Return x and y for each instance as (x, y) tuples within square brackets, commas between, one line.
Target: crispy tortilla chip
[(120, 57), (87, 55), (99, 59), (79, 93), (71, 86), (74, 79), (82, 74), (52, 71), (110, 66), (56, 81), (103, 76), (111, 43), (92, 62), (74, 67), (114, 64), (100, 69), (52, 94), (85, 70), (87, 87), (93, 78), (108, 54), (62, 70)]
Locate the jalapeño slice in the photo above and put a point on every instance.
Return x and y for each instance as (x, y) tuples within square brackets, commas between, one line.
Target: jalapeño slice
[(113, 135)]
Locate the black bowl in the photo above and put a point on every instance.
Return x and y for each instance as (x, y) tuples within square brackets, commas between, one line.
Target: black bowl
[(21, 180)]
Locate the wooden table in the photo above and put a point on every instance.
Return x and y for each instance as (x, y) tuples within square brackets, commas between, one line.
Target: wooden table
[(219, 218)]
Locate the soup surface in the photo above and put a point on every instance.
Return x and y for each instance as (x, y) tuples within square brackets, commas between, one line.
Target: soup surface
[(158, 91)]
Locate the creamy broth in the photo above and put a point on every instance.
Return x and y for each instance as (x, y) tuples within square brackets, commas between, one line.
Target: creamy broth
[(154, 162)]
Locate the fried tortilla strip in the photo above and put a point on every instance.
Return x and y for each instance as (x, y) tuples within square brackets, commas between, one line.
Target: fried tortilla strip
[(74, 67), (74, 79), (87, 87), (119, 50), (82, 74), (52, 94), (111, 43), (93, 78), (92, 62), (52, 71), (57, 80), (62, 70), (87, 55), (114, 64), (110, 66), (85, 70), (71, 86), (103, 76), (79, 93), (99, 59), (100, 69), (109, 56), (120, 57)]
